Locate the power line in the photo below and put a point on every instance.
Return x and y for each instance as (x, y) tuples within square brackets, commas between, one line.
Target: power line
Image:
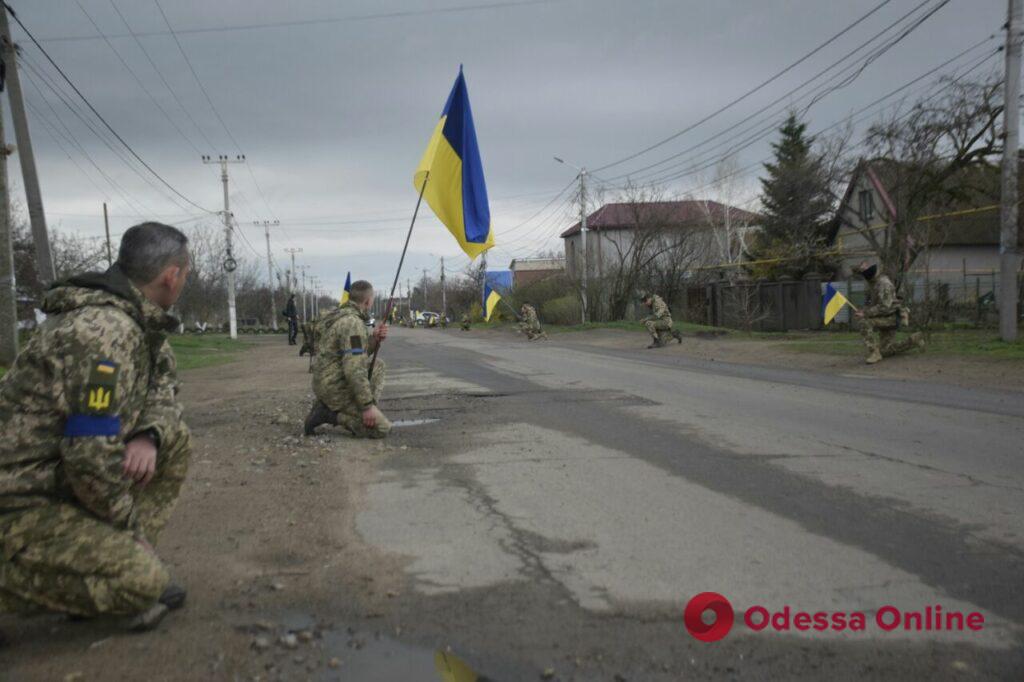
[(806, 82), (400, 14), (99, 116), (138, 80), (196, 76), (757, 88), (160, 75)]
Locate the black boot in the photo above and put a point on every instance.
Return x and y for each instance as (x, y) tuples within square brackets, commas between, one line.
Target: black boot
[(677, 336), (656, 343), (173, 596), (319, 414)]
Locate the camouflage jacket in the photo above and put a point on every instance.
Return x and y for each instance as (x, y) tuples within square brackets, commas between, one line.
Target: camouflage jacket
[(340, 374), (659, 310), (96, 373), (530, 316), (883, 298)]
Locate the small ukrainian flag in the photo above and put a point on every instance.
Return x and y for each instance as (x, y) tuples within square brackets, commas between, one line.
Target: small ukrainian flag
[(491, 299), (455, 188), (832, 303), (347, 289)]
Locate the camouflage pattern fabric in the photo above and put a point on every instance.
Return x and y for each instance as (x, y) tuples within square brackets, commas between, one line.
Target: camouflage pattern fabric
[(659, 322), (98, 372), (881, 321), (340, 373), (465, 323), (530, 325)]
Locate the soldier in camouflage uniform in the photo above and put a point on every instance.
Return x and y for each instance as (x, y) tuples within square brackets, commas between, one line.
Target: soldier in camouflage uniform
[(880, 320), (659, 322), (529, 324), (345, 394), (94, 450), (465, 322)]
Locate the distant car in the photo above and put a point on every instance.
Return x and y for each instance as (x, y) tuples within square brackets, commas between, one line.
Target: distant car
[(429, 319)]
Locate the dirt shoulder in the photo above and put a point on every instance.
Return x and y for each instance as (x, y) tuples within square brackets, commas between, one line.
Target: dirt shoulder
[(262, 537)]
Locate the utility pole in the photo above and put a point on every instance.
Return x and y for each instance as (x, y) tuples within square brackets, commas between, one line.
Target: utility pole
[(291, 278), (583, 240), (33, 196), (314, 302), (1009, 237), (229, 261), (425, 306), (444, 295), (583, 233), (408, 288), (303, 269), (8, 291), (270, 271), (106, 228)]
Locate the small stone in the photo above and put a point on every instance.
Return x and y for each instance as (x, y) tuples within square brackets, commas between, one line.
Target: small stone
[(261, 644), (74, 677), (547, 674), (263, 625), (299, 660), (961, 666), (305, 636), (391, 594), (277, 586), (334, 662), (289, 641)]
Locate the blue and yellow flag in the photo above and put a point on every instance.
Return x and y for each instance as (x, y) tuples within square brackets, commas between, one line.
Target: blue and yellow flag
[(455, 189), (491, 299), (347, 289), (832, 303)]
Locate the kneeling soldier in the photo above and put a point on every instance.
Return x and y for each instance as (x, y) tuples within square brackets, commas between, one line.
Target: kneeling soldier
[(880, 321), (345, 394), (659, 322), (94, 450)]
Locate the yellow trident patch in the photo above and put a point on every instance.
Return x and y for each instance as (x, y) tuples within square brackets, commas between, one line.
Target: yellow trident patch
[(99, 392), (99, 399)]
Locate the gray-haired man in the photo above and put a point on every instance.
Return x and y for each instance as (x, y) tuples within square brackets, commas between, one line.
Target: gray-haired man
[(95, 450)]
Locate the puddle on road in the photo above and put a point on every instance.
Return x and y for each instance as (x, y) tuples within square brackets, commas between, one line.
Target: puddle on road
[(402, 423), (375, 657)]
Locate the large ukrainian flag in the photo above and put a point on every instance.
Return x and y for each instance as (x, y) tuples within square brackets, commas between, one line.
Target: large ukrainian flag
[(455, 189)]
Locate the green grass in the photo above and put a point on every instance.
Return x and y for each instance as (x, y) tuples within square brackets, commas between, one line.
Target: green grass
[(973, 343), (206, 350)]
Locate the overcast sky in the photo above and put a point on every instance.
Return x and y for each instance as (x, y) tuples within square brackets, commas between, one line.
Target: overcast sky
[(334, 108)]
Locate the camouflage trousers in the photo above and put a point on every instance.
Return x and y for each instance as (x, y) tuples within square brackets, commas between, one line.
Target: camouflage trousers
[(350, 415), (532, 331), (879, 335), (659, 329), (62, 558)]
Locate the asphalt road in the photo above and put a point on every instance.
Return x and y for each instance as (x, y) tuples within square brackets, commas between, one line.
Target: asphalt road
[(571, 499)]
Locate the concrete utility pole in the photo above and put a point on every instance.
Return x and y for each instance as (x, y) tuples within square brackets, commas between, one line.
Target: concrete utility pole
[(314, 302), (1009, 236), (303, 269), (291, 278), (444, 293), (425, 289), (583, 234), (270, 270), (106, 228), (229, 261), (408, 288), (8, 291), (33, 196)]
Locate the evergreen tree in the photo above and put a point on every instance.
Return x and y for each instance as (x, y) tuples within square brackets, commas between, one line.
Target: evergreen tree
[(797, 206)]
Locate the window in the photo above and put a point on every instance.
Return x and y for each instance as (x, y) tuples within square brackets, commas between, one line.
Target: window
[(867, 206)]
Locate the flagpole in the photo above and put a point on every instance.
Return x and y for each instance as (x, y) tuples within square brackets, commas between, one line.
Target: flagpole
[(394, 284)]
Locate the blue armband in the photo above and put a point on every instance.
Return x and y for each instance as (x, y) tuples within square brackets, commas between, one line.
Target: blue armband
[(79, 425)]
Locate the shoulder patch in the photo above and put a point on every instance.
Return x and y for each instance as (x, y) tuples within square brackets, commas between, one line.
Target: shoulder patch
[(356, 343), (101, 388)]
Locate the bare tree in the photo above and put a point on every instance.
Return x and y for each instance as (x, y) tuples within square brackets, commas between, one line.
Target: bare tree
[(933, 156)]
